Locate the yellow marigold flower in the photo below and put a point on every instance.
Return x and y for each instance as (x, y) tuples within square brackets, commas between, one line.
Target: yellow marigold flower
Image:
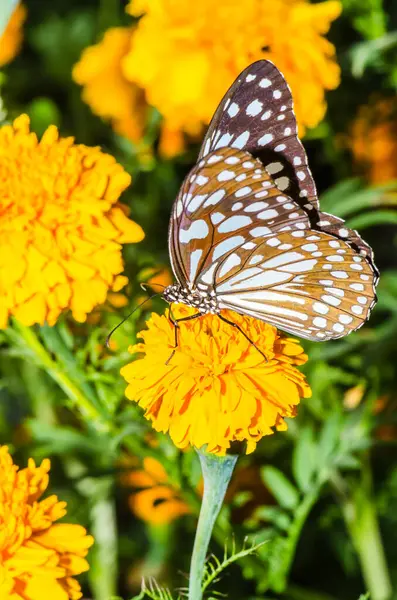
[(38, 557), (217, 388), (11, 40), (373, 140), (156, 501), (61, 226), (106, 90), (185, 55)]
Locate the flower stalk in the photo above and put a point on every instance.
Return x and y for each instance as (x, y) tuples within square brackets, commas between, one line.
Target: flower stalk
[(360, 514), (217, 471)]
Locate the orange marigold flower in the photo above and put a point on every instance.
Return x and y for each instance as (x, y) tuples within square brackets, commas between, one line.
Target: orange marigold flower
[(106, 90), (217, 388), (38, 557), (373, 140), (61, 226), (11, 39), (160, 275), (186, 55), (100, 70), (156, 501)]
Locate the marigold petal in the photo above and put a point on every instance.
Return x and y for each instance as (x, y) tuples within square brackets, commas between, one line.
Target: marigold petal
[(61, 225), (185, 42), (36, 555), (157, 505), (217, 388)]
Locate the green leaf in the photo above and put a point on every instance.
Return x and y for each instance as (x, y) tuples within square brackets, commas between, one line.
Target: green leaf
[(304, 463), (348, 461), (375, 217), (63, 439), (282, 489), (367, 53), (273, 514), (328, 439)]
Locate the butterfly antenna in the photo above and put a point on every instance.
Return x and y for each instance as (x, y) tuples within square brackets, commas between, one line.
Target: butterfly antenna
[(128, 316), (144, 286)]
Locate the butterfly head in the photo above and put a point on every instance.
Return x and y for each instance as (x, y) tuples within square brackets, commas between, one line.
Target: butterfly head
[(204, 301)]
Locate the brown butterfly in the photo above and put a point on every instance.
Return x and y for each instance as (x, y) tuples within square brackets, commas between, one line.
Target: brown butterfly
[(246, 232)]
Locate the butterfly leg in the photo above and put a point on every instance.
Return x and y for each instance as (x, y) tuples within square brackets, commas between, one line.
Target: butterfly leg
[(175, 323), (244, 334)]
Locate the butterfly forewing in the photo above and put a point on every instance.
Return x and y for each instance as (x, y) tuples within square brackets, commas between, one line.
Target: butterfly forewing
[(256, 115), (235, 234)]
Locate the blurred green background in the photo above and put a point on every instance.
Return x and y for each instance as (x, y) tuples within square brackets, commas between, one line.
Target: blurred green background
[(324, 493)]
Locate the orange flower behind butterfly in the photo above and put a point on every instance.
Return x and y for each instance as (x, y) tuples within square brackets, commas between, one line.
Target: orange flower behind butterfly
[(373, 140), (99, 71), (11, 38), (217, 388), (178, 46), (38, 557), (154, 500)]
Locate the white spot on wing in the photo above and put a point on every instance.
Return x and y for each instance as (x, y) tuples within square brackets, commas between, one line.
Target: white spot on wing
[(298, 267), (224, 141), (254, 108), (282, 183), (234, 223), (268, 214), (346, 319), (320, 322), (227, 245), (194, 261), (265, 139), (241, 141), (266, 115), (232, 261), (243, 192), (233, 109), (217, 218), (274, 167), (256, 206), (259, 278), (231, 160), (214, 158), (320, 308), (258, 231), (226, 175), (282, 259), (198, 230), (196, 202), (215, 198)]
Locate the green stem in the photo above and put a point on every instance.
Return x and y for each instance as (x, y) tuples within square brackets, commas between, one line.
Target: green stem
[(217, 472), (284, 562), (361, 519), (58, 374)]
